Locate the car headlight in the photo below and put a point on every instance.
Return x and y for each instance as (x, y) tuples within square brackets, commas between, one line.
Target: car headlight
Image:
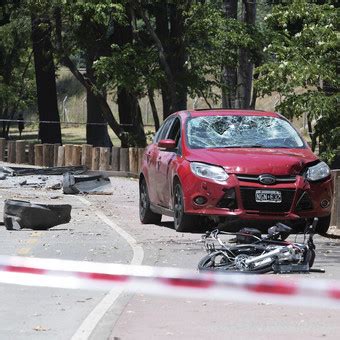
[(215, 173), (318, 171)]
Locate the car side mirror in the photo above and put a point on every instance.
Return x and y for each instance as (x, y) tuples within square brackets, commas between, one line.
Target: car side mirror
[(167, 144)]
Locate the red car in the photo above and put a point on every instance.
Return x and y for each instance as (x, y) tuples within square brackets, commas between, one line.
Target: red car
[(232, 167)]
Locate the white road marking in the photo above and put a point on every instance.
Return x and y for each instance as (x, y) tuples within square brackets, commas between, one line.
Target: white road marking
[(91, 321)]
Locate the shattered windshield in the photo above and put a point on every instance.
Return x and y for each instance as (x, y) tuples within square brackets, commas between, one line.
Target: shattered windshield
[(241, 132)]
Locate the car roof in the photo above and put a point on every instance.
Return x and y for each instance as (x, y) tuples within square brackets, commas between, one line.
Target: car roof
[(231, 112)]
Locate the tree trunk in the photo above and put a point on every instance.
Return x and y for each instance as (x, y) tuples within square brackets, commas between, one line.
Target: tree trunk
[(311, 133), (162, 31), (153, 108), (96, 135), (100, 99), (45, 80), (168, 39), (245, 70), (178, 56), (130, 116), (229, 72)]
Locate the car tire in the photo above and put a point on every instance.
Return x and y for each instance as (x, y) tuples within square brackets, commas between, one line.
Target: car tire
[(323, 224), (146, 215), (182, 221)]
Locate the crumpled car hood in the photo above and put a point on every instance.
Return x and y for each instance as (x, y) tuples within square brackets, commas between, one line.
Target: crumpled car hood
[(254, 161)]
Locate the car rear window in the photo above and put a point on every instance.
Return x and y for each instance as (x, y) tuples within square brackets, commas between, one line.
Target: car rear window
[(241, 132)]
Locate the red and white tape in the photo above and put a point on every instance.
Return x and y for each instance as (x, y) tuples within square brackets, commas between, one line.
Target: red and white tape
[(168, 281)]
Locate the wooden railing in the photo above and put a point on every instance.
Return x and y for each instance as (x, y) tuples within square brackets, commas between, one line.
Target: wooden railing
[(49, 155)]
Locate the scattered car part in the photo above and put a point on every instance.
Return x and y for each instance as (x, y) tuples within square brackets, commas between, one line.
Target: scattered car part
[(24, 214), (86, 184), (60, 170)]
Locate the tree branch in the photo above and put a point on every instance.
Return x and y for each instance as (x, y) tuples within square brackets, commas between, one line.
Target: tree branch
[(161, 52), (65, 60)]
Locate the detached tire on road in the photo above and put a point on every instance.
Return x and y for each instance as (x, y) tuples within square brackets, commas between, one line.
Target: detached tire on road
[(146, 215), (24, 214)]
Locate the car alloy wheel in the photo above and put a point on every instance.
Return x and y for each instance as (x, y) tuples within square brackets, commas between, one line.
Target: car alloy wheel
[(178, 205), (182, 221)]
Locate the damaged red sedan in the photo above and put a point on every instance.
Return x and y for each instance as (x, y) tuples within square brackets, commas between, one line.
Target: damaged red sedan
[(232, 168)]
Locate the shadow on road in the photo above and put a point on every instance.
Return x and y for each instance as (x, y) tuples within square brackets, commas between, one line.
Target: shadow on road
[(169, 225), (332, 236)]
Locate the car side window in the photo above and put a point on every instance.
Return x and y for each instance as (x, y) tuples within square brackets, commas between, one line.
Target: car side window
[(163, 130), (175, 134), (175, 131)]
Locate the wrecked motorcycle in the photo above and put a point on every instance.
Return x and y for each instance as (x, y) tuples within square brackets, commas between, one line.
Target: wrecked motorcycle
[(254, 253)]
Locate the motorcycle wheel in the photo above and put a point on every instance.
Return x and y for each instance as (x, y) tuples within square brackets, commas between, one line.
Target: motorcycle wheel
[(217, 261)]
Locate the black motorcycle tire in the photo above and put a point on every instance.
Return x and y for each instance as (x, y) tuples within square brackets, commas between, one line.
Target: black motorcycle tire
[(310, 257)]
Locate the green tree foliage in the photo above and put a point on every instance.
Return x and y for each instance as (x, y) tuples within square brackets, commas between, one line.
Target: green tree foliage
[(16, 72), (303, 67), (213, 41)]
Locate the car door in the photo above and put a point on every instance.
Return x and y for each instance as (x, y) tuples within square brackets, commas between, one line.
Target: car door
[(165, 163), (152, 158)]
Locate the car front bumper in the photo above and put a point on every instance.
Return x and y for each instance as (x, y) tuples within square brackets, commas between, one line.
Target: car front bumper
[(236, 198)]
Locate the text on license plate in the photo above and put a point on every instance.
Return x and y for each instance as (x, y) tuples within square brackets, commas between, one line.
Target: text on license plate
[(268, 196)]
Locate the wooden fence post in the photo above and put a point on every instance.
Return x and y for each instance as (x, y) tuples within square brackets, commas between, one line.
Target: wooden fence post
[(124, 159), (11, 157), (104, 158), (95, 158), (55, 153), (38, 154), (3, 144), (76, 155), (61, 155), (140, 158), (86, 155), (68, 154), (335, 218), (115, 158), (30, 155), (133, 160), (48, 156), (20, 152)]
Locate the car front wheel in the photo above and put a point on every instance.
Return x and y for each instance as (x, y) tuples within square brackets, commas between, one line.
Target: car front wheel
[(323, 224), (182, 221)]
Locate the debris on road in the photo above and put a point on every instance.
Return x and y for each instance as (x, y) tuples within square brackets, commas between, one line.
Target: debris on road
[(73, 180), (23, 214), (60, 170), (86, 184)]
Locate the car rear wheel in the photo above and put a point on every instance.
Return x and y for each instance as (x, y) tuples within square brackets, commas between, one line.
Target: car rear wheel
[(323, 224), (182, 221), (146, 215)]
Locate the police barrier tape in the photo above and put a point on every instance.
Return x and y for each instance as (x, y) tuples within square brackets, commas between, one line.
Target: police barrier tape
[(168, 281)]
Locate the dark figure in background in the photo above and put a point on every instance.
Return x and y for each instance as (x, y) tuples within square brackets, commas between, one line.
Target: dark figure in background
[(21, 124)]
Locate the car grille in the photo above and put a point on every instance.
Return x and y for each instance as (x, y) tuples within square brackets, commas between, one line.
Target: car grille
[(255, 178), (249, 202)]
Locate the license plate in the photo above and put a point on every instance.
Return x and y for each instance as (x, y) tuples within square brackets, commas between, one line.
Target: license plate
[(268, 196)]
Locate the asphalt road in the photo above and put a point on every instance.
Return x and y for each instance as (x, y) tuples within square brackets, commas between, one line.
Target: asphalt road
[(107, 229)]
